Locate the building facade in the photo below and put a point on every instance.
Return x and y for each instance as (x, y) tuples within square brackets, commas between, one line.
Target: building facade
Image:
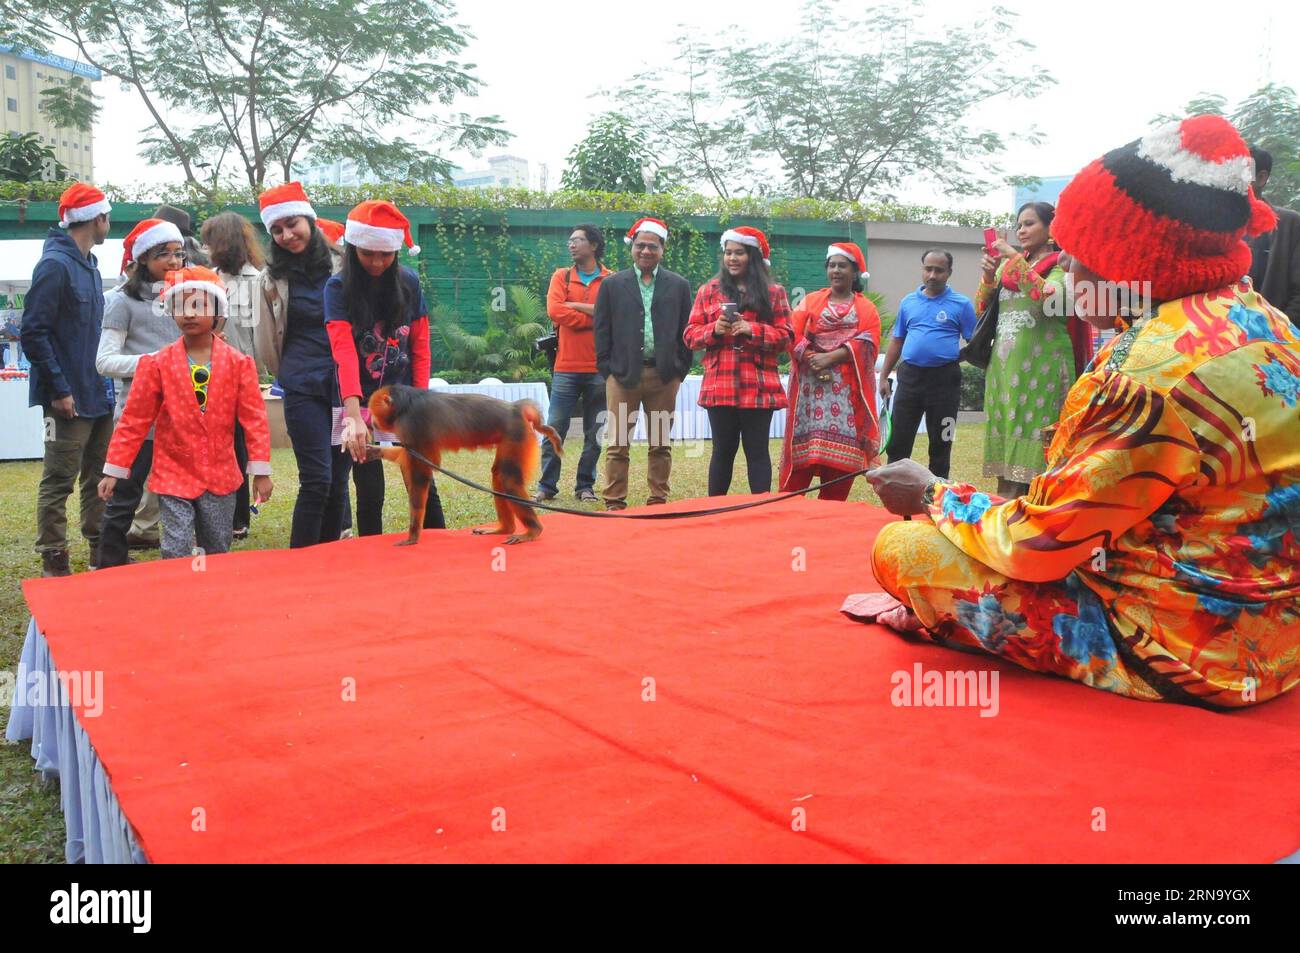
[(24, 75), (339, 172), (502, 172)]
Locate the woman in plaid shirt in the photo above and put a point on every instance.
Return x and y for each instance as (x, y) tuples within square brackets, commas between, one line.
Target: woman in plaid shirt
[(741, 320)]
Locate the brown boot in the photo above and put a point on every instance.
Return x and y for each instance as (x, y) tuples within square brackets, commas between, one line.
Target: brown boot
[(55, 563)]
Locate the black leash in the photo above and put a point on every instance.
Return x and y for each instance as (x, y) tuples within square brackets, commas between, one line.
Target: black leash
[(629, 516)]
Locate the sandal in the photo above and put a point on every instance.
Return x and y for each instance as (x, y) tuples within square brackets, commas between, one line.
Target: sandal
[(588, 496)]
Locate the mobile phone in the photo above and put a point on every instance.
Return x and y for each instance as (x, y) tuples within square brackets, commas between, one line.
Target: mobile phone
[(729, 311), (990, 238)]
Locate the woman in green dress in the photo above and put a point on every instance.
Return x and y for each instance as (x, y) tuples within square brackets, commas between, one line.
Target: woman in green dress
[(1032, 366)]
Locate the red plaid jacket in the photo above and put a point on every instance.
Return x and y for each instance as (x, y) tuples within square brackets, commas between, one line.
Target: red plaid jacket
[(746, 378)]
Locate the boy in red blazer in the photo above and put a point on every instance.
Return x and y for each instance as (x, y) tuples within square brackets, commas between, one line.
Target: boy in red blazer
[(192, 392)]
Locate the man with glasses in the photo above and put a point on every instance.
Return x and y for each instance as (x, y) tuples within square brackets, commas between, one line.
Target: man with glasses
[(571, 303), (60, 335), (640, 316)]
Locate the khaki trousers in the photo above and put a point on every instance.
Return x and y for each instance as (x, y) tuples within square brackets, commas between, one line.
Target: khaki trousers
[(74, 450), (657, 398)]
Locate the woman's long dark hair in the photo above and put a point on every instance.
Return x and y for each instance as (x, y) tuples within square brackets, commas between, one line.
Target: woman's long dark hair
[(371, 300), (308, 266), (757, 296)]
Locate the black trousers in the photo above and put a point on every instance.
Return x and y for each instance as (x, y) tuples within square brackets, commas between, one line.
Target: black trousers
[(368, 478), (932, 392), (242, 495), (120, 511), (322, 471), (731, 427)]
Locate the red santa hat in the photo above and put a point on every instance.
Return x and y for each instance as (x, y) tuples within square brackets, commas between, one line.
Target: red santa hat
[(1171, 208), (81, 203), (284, 201), (651, 225), (194, 278), (333, 231), (850, 251), (376, 225), (148, 234), (748, 236)]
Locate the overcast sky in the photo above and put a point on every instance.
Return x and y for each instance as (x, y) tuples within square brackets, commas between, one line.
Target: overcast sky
[(1117, 62)]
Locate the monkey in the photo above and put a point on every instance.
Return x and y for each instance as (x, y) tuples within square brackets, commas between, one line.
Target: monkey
[(431, 423)]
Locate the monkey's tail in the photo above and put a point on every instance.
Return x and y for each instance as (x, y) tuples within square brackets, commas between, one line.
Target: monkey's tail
[(533, 414)]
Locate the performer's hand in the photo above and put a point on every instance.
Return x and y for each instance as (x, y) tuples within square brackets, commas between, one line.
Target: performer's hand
[(262, 488), (901, 486), (885, 389), (106, 488), (65, 407)]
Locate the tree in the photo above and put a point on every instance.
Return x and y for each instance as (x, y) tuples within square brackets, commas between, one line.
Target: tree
[(70, 105), (267, 81), (609, 159), (687, 120), (849, 109), (505, 348), (1269, 118), (24, 158)]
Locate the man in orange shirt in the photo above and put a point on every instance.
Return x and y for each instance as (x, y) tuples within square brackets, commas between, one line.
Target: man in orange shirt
[(570, 302)]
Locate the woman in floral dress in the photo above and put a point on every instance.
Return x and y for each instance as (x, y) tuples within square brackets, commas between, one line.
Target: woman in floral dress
[(1032, 367)]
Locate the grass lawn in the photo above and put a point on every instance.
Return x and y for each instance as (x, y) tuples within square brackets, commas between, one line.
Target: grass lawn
[(31, 822)]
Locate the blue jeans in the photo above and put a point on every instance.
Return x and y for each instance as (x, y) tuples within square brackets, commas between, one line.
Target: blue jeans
[(566, 390)]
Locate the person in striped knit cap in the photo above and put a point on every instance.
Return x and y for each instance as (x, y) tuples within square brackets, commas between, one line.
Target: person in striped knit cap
[(1158, 556)]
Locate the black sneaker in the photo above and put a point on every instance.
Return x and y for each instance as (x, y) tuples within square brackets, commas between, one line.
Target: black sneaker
[(55, 563)]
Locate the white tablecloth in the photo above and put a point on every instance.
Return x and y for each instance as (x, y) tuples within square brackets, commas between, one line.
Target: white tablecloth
[(691, 421), (22, 428), (532, 391)]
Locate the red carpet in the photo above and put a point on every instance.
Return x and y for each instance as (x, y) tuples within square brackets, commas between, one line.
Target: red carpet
[(522, 690)]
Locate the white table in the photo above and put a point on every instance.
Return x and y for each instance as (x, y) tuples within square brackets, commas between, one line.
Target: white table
[(22, 428), (691, 421), (533, 391)]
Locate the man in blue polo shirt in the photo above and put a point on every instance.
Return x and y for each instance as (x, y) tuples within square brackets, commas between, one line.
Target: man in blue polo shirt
[(932, 321)]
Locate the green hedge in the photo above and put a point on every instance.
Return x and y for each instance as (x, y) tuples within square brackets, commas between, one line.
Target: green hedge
[(660, 205)]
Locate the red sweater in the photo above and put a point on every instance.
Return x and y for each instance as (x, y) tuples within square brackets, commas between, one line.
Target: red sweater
[(577, 342)]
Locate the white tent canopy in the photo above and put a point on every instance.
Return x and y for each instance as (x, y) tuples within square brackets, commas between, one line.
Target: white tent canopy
[(18, 258)]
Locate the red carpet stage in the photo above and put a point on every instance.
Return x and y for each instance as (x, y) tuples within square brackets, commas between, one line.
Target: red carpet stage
[(490, 695)]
